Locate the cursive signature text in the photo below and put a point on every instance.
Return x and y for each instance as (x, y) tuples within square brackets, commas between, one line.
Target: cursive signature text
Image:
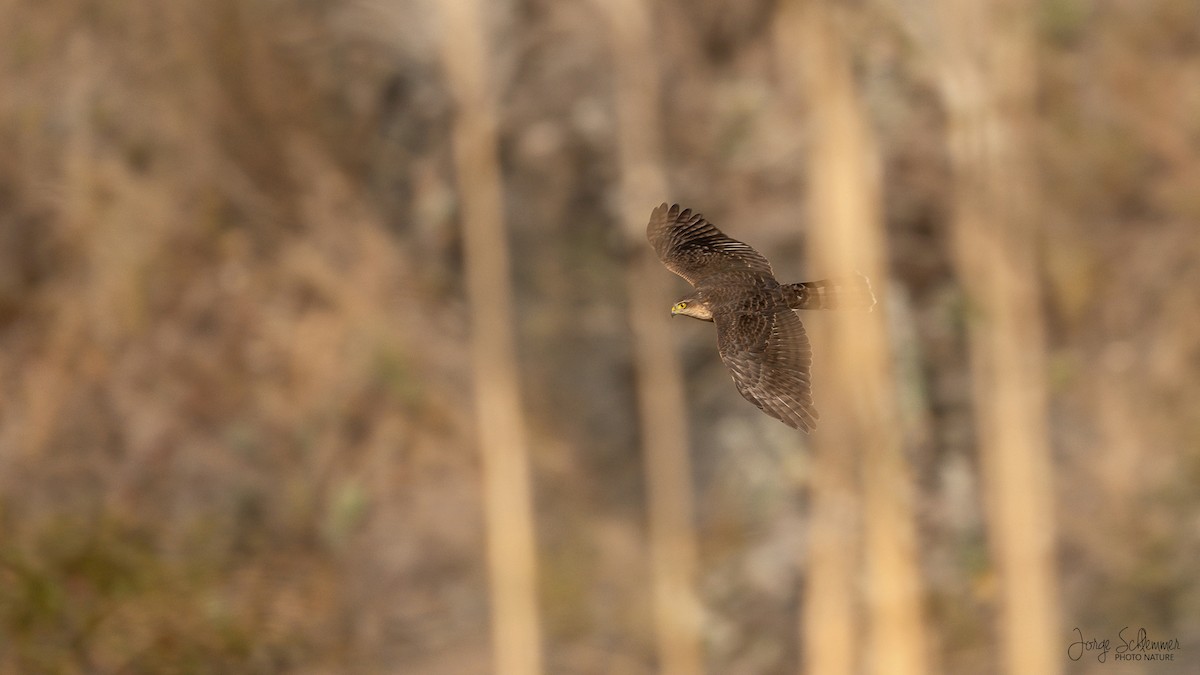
[(1142, 648), (1076, 649), (1129, 646)]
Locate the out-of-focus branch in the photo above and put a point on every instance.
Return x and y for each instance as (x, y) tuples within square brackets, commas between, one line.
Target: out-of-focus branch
[(508, 498), (659, 378), (854, 378), (987, 76), (829, 618)]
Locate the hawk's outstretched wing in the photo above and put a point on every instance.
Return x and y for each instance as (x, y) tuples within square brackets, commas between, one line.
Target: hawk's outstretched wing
[(770, 359), (695, 250)]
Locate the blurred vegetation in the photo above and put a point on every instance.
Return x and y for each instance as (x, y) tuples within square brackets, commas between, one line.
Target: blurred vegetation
[(235, 427)]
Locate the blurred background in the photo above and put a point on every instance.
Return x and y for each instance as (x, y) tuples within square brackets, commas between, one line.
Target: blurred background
[(237, 399)]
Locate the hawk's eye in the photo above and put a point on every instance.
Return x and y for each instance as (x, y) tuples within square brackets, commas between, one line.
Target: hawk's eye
[(682, 305)]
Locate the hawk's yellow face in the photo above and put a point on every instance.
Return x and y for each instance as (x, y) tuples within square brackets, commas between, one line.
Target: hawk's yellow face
[(693, 308)]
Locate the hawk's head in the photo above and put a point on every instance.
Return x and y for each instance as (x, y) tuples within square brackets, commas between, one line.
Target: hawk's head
[(694, 307)]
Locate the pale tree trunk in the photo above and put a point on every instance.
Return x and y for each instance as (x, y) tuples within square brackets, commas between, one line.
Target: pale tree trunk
[(662, 411), (987, 76), (854, 381), (508, 498)]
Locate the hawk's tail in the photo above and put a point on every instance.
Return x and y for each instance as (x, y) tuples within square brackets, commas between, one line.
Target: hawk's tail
[(849, 292)]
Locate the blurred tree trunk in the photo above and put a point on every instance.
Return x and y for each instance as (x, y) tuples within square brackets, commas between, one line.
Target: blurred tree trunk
[(987, 79), (507, 495), (854, 379), (662, 410)]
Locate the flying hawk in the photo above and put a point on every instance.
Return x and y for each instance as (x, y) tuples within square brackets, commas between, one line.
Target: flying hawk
[(759, 337)]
